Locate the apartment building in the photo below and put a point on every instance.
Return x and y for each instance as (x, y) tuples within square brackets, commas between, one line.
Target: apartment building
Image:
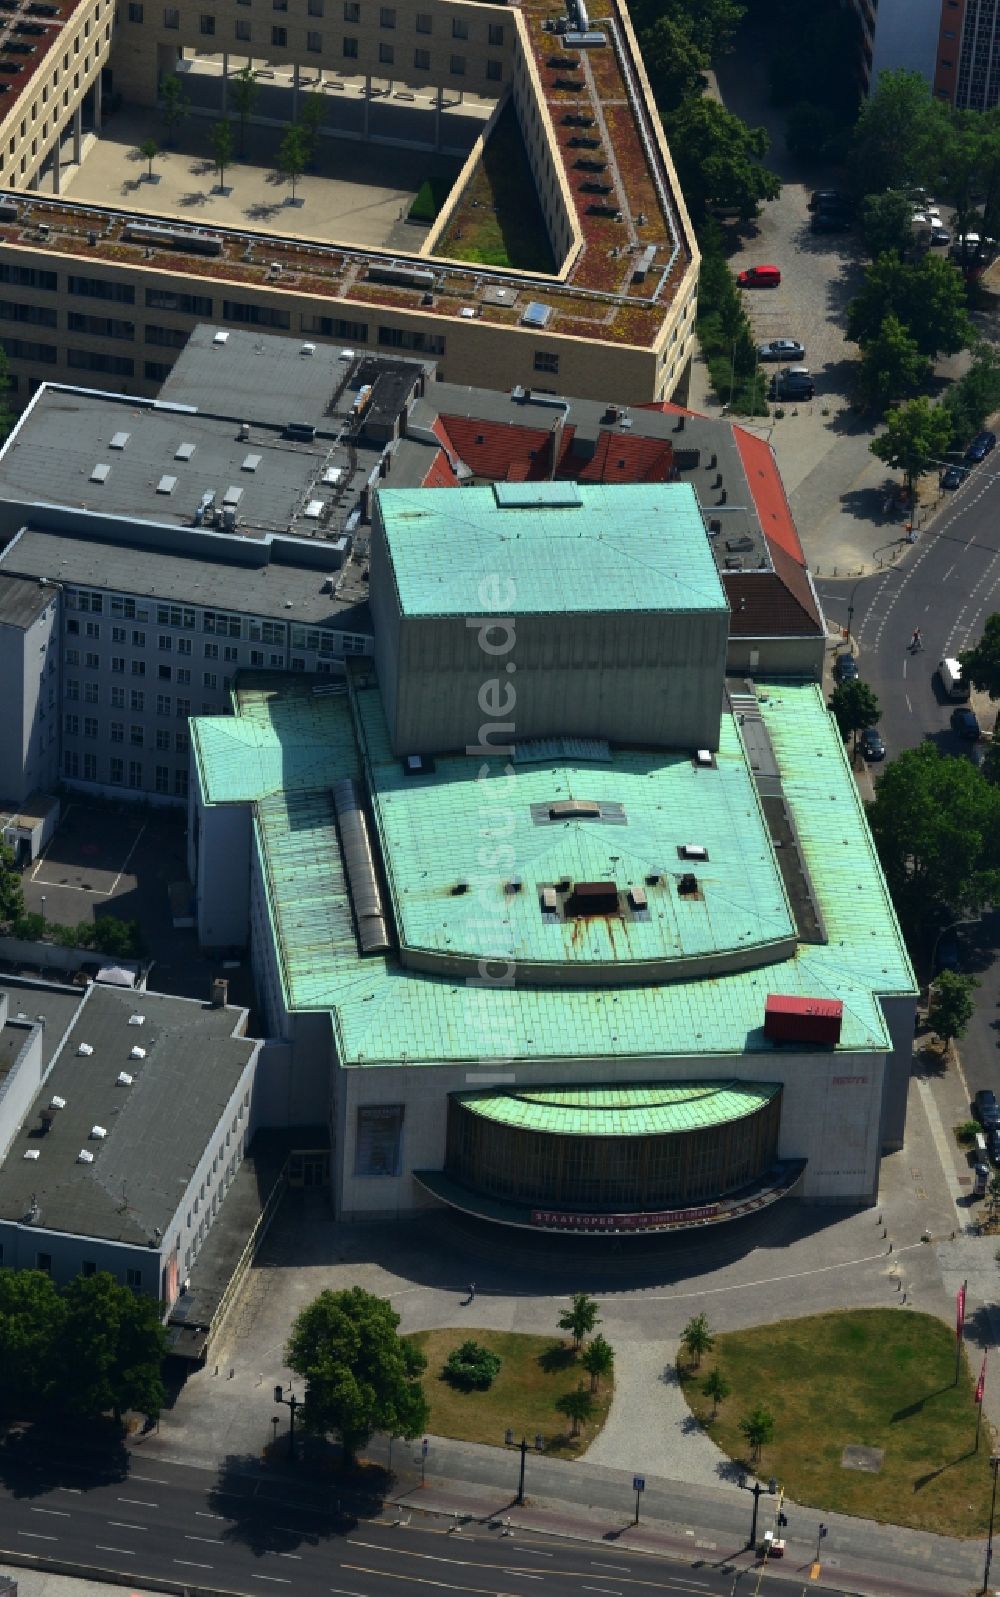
[(954, 44)]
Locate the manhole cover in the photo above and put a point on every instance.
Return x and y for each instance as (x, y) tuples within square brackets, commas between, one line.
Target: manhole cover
[(866, 1458)]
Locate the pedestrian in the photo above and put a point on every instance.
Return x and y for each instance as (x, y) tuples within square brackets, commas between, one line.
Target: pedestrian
[(472, 1291), (916, 642)]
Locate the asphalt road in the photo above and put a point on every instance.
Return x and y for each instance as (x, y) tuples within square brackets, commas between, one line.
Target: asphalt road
[(242, 1534)]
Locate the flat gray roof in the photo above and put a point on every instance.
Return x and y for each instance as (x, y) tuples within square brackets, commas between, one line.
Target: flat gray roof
[(157, 1129), (21, 601), (54, 1006), (271, 588)]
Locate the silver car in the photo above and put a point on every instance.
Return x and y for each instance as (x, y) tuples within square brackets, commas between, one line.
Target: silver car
[(781, 349)]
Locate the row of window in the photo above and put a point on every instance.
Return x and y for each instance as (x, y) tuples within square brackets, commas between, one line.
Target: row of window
[(95, 326), (387, 18), (88, 1267), (122, 773), (136, 732)]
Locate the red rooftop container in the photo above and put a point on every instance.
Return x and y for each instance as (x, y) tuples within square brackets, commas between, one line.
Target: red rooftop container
[(809, 1020)]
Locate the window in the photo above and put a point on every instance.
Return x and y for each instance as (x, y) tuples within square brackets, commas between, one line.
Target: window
[(243, 32), (231, 654), (164, 643), (422, 60), (161, 779), (336, 327), (256, 315), (118, 731), (92, 662), (134, 11), (43, 1261), (545, 361), (116, 770), (424, 22), (171, 17), (256, 657), (163, 739), (90, 726), (73, 688), (180, 784), (209, 680), (100, 326), (138, 668), (387, 17), (183, 676), (72, 657), (350, 50), (135, 736), (163, 673), (101, 288), (71, 763), (136, 700), (386, 54), (88, 1267), (206, 24), (315, 8), (166, 299), (211, 651), (314, 42), (403, 338), (28, 276), (73, 628), (90, 767), (92, 360), (494, 71), (117, 698), (120, 606), (118, 664), (496, 33), (119, 635), (39, 315), (71, 725), (279, 36), (183, 645), (459, 28), (222, 624), (352, 11), (183, 709), (175, 337), (298, 664), (93, 629), (135, 773), (175, 615), (91, 693), (138, 640), (457, 66)]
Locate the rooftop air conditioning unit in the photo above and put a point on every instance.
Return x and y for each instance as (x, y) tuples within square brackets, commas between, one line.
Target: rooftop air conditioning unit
[(84, 1157), (98, 1133), (84, 1050), (123, 1079)]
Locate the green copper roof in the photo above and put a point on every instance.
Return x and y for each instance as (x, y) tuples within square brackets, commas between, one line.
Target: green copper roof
[(284, 740), (543, 547), (622, 1111), (384, 1014), (433, 830)]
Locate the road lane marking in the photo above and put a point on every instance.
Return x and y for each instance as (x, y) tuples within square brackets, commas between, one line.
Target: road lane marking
[(126, 1552), (279, 1578), (608, 1591), (291, 1555), (123, 1524), (62, 1513), (621, 1569), (909, 706), (137, 1502), (151, 1480), (341, 1591), (76, 1490), (187, 1564), (535, 1552), (36, 1536), (200, 1513), (419, 1580), (215, 1541), (947, 573)]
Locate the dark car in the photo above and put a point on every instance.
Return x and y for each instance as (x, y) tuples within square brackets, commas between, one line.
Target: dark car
[(953, 477), (781, 349), (830, 200), (965, 722), (793, 382), (832, 221), (871, 745), (993, 1144), (948, 955), (986, 1109), (980, 447), (845, 668), (940, 236)]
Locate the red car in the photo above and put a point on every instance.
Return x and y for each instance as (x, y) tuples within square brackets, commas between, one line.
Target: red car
[(759, 277)]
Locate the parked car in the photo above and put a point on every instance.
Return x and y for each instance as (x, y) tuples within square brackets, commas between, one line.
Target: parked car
[(845, 668), (831, 221), (781, 349), (952, 477), (986, 1109), (993, 1144), (948, 956), (759, 277), (871, 745), (980, 447), (793, 382), (940, 235), (830, 199), (965, 722)]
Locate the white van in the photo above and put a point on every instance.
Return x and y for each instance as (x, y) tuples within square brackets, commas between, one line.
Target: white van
[(950, 677)]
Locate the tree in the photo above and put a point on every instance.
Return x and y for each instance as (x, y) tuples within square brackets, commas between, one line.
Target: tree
[(580, 1318), (976, 394), (855, 707), (719, 159), (472, 1367), (577, 1406), (312, 118), (675, 65), (697, 1339), (898, 134), (758, 1429), (110, 1350), (598, 1359), (11, 891), (175, 106), (886, 223), (809, 130), (710, 24), (951, 1006), (243, 91), (981, 664), (936, 825), (222, 147), (31, 1320), (717, 1388), (891, 365), (293, 153), (928, 297), (916, 435), (149, 150), (361, 1376)]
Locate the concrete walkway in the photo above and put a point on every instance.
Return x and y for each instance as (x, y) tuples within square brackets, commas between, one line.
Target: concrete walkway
[(650, 1423)]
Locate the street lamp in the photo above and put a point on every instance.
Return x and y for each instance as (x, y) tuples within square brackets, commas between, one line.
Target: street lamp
[(291, 1402), (995, 1467), (758, 1492)]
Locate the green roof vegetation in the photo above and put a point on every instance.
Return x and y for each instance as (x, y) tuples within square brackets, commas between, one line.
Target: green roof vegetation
[(498, 220), (538, 548), (622, 1111)]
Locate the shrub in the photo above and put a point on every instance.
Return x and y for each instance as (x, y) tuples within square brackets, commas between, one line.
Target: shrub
[(472, 1367), (30, 927)]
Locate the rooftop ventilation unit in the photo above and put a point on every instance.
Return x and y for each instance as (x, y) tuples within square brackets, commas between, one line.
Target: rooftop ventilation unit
[(514, 885), (637, 898), (550, 903), (402, 276), (136, 1052), (703, 757), (184, 451), (100, 473), (308, 349), (174, 238), (687, 885), (84, 1050), (98, 1133), (137, 1020), (251, 462), (692, 851), (536, 314), (123, 1079), (55, 1102), (166, 485), (220, 337), (593, 898), (575, 810), (302, 432), (31, 1153), (313, 510), (119, 440), (84, 1157)]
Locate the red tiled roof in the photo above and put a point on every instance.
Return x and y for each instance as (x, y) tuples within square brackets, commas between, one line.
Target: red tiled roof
[(766, 604), (501, 452), (627, 458), (768, 492)]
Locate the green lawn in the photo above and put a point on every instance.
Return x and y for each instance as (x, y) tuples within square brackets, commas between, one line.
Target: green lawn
[(498, 221), (536, 1370), (879, 1378)]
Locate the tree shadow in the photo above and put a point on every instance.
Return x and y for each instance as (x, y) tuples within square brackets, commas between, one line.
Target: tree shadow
[(929, 1064), (37, 1458), (557, 1357), (330, 1503), (201, 168), (193, 198), (261, 212), (730, 1470)]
